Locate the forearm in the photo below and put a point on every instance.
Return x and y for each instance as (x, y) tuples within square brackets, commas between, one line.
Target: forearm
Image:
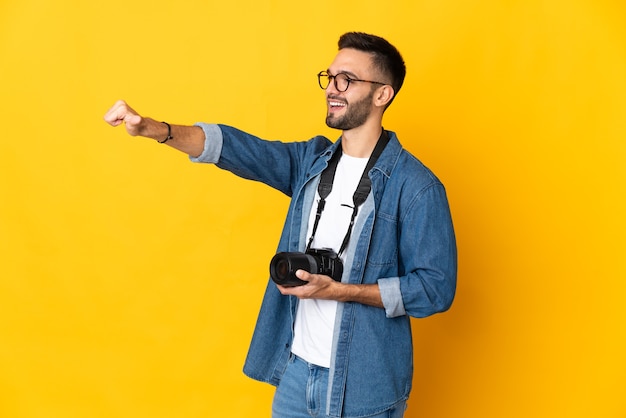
[(188, 139), (366, 294), (323, 287)]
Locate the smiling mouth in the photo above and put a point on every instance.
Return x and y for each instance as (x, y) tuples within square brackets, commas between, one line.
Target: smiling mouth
[(334, 104)]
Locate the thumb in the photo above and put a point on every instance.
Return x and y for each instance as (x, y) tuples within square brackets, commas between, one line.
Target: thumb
[(132, 119), (303, 275)]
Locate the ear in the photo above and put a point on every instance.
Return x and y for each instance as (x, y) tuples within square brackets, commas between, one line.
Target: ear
[(384, 95)]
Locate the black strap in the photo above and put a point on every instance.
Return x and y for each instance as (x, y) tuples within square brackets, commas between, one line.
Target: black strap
[(360, 194)]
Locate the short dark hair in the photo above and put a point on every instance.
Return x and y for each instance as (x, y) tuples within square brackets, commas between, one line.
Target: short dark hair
[(385, 56)]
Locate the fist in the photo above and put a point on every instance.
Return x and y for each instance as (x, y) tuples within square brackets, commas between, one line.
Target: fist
[(121, 112)]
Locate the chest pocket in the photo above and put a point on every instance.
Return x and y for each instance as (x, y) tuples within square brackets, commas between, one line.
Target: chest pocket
[(384, 242)]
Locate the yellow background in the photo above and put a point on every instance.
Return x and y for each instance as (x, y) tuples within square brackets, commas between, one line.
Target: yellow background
[(130, 279)]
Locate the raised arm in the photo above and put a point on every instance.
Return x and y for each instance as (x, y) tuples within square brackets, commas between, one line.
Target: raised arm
[(188, 139)]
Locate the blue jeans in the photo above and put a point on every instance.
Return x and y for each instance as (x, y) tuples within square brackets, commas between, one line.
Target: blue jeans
[(302, 393)]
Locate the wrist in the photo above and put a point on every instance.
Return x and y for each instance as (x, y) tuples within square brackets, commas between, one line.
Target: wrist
[(168, 136), (153, 129)]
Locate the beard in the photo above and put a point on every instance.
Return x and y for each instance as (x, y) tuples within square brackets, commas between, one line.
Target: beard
[(356, 114)]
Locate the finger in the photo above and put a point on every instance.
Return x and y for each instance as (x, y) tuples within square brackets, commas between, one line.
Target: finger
[(115, 115), (304, 275), (112, 110)]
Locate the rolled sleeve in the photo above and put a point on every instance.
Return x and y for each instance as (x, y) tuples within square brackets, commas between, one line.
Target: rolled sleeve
[(391, 296), (212, 144)]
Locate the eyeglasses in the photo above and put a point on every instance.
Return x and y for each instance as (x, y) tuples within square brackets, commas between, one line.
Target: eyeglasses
[(342, 81)]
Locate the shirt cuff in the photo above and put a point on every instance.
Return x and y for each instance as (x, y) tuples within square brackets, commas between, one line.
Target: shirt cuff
[(212, 144), (391, 296)]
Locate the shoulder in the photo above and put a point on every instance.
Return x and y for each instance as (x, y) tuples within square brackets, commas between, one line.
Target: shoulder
[(411, 167), (404, 166)]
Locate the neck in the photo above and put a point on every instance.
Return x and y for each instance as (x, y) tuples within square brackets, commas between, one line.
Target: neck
[(360, 142)]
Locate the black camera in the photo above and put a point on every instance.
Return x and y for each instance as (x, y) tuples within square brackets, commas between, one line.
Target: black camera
[(324, 261)]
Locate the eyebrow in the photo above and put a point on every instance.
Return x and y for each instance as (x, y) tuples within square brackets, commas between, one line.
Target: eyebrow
[(348, 73)]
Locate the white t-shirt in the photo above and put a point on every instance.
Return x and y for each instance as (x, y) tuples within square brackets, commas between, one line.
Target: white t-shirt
[(315, 318)]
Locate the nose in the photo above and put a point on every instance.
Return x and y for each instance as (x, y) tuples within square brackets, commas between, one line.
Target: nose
[(331, 88)]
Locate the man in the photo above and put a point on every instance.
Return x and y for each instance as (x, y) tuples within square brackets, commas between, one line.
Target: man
[(340, 348)]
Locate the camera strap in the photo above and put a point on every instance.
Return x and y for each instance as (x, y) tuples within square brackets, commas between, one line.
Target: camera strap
[(360, 194)]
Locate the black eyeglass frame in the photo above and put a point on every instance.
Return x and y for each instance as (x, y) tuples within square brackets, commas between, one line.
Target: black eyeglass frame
[(333, 78)]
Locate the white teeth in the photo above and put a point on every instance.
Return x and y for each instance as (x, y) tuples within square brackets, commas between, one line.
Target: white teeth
[(336, 104)]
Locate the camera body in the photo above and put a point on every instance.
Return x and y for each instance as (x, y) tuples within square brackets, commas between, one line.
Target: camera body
[(324, 261)]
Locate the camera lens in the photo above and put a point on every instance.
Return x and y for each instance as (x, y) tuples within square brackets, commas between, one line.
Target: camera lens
[(283, 267)]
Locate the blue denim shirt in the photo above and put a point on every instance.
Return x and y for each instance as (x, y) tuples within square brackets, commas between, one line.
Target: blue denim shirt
[(405, 243)]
